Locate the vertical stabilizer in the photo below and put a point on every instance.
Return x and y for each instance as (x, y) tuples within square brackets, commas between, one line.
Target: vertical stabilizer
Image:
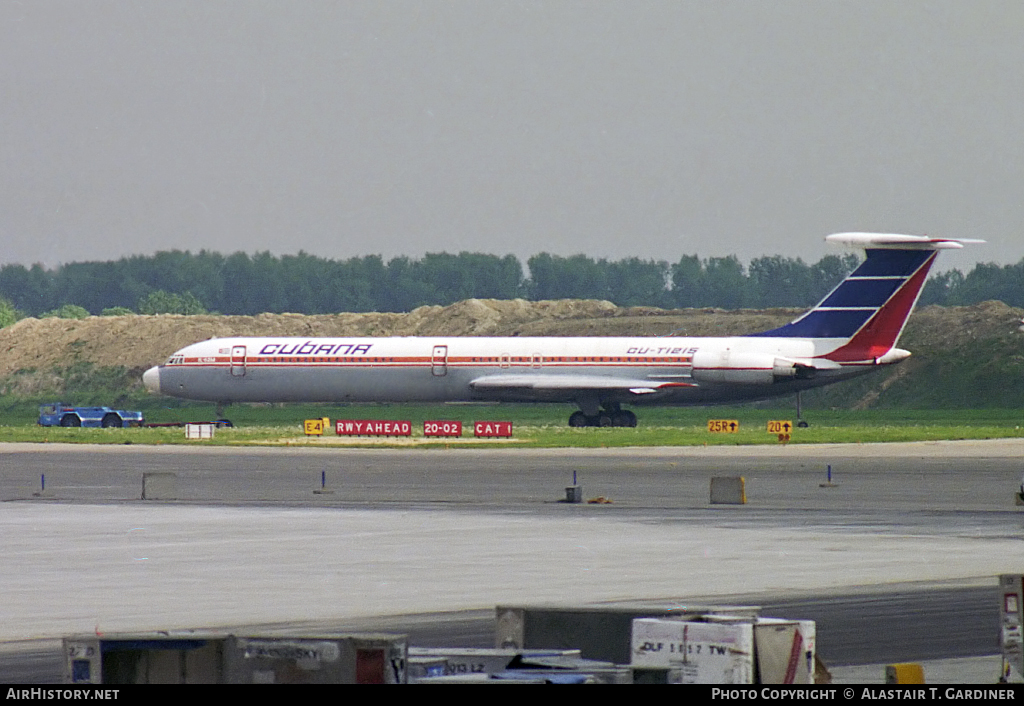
[(865, 314)]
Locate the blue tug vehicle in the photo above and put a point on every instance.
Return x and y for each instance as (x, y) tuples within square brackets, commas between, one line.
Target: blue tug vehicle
[(62, 414)]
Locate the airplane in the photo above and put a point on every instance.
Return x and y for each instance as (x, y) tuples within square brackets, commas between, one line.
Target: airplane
[(851, 332)]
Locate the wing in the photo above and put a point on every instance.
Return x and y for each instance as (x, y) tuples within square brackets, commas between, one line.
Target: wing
[(564, 383)]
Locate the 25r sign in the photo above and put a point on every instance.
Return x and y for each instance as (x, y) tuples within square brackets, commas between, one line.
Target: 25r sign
[(723, 426)]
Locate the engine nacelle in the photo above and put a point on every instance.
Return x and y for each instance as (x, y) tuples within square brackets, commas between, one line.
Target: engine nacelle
[(747, 368)]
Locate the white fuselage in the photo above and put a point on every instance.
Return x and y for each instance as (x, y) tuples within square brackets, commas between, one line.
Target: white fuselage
[(624, 370)]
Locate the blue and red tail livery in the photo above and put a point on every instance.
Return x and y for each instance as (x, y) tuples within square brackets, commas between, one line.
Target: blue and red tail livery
[(853, 330)]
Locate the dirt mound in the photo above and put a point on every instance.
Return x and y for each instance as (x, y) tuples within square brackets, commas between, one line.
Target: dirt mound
[(962, 356), (42, 355), (957, 326)]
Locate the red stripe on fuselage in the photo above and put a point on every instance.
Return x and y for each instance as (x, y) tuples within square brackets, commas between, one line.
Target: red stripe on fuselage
[(418, 361)]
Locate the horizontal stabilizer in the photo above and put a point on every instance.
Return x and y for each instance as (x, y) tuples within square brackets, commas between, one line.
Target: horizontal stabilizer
[(895, 241)]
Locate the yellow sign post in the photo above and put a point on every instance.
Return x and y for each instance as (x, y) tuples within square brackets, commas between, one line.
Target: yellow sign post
[(723, 426), (781, 427), (314, 427)]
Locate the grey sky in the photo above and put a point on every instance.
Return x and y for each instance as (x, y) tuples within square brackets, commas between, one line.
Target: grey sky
[(616, 129)]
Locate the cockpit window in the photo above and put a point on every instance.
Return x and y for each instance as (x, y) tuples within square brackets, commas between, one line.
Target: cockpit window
[(176, 360)]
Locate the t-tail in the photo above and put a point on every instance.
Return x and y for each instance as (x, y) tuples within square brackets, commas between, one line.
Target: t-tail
[(860, 321)]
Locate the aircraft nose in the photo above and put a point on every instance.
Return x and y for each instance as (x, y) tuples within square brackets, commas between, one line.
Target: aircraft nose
[(151, 379)]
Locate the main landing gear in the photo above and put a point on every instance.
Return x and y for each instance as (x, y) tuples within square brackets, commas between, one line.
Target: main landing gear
[(800, 422), (604, 418)]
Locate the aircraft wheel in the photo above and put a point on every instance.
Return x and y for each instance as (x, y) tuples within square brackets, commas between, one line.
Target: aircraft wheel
[(578, 419), (70, 420), (603, 420), (802, 424), (111, 420), (624, 419)]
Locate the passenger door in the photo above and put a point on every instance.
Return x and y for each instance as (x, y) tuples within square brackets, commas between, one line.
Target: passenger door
[(238, 361), (439, 361)]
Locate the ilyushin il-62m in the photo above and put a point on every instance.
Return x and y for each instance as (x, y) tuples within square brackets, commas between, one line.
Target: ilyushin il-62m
[(853, 331)]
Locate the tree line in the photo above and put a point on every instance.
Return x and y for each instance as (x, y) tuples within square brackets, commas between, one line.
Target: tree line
[(183, 282)]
